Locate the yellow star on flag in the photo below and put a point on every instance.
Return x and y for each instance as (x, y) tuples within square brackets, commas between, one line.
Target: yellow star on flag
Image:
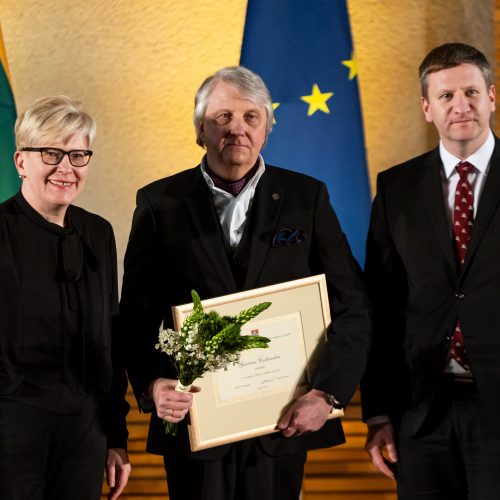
[(275, 105), (352, 64), (317, 100)]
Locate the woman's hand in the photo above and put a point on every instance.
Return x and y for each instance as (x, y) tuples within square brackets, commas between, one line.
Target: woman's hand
[(117, 471)]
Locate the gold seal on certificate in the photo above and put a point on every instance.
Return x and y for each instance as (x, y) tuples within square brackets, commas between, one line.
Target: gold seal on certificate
[(247, 399)]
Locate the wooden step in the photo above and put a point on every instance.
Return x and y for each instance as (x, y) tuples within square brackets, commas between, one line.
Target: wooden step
[(348, 495), (152, 496), (370, 483)]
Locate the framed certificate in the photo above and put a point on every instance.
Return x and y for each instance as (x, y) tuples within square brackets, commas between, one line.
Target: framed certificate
[(247, 399)]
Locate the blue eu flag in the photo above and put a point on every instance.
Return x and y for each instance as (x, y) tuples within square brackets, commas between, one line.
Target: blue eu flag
[(303, 51)]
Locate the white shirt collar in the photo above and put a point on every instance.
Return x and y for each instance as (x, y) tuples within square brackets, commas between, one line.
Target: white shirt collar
[(480, 158), (232, 210)]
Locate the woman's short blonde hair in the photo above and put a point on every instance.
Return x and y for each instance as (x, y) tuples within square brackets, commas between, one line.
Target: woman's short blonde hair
[(53, 119)]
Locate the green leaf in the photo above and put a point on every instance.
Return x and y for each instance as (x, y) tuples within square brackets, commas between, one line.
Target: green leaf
[(255, 341), (245, 316), (197, 307)]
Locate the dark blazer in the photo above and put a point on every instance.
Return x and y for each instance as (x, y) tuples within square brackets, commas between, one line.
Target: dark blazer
[(419, 291), (176, 244), (88, 256)]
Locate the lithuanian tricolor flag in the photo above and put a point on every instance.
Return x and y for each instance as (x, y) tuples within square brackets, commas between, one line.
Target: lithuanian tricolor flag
[(9, 181)]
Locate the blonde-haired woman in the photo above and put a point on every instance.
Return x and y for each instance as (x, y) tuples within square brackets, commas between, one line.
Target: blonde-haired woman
[(62, 407)]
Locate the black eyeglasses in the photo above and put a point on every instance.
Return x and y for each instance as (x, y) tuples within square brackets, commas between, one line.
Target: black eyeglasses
[(54, 156)]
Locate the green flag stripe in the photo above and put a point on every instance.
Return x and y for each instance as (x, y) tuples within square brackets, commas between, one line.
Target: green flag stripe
[(9, 181)]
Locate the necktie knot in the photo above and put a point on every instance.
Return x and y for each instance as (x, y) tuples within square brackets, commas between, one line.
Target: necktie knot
[(464, 168)]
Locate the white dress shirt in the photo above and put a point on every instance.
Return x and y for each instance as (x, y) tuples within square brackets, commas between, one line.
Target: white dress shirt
[(232, 210)]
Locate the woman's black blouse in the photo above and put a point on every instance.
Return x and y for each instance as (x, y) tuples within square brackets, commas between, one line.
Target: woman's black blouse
[(58, 296)]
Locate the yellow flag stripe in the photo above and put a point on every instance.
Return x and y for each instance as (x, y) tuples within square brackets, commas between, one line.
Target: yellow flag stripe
[(3, 57)]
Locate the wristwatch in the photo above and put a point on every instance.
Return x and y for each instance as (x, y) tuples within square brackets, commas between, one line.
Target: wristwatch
[(334, 403)]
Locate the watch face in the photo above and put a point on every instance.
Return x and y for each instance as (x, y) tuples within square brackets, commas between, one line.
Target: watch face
[(332, 401)]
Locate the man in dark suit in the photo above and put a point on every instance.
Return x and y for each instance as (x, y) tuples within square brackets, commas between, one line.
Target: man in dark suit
[(234, 223), (431, 391)]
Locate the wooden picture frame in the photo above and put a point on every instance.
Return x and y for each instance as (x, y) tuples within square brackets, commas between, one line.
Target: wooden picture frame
[(247, 399)]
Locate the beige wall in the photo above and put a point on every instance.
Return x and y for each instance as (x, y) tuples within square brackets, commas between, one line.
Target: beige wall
[(391, 38), (137, 64)]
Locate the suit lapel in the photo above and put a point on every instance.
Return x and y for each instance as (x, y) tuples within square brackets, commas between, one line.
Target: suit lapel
[(488, 204), (207, 233), (267, 204), (432, 190)]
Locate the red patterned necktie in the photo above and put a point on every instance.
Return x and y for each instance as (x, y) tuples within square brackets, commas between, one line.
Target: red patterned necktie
[(463, 220)]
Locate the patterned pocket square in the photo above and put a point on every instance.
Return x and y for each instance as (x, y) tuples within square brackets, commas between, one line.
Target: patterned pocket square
[(288, 236)]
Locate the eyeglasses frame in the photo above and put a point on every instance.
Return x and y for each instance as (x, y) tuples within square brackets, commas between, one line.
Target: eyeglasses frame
[(87, 152)]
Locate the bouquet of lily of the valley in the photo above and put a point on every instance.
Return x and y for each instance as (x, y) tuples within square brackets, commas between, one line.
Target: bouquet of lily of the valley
[(207, 342)]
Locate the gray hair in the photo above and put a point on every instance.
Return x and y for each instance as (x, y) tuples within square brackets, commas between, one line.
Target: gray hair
[(247, 82), (53, 119)]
